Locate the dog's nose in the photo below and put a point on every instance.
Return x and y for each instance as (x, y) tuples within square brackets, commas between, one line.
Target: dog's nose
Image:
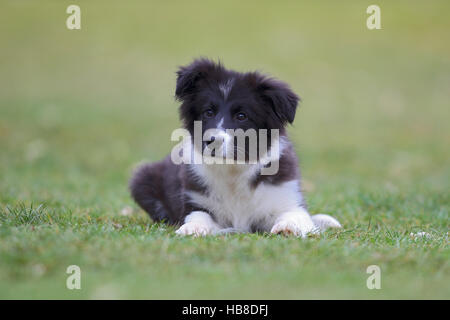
[(219, 138), (211, 140)]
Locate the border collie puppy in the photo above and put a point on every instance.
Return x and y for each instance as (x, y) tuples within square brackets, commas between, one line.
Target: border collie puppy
[(214, 198)]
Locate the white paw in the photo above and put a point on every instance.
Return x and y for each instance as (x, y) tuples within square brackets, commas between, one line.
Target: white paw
[(295, 227), (194, 228), (324, 221)]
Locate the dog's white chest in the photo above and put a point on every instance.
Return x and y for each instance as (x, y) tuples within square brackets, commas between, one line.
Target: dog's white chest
[(235, 203)]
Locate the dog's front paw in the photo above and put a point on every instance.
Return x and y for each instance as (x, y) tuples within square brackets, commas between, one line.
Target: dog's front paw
[(195, 229), (295, 226)]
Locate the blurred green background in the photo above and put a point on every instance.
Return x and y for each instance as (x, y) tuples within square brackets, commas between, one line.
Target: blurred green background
[(80, 108)]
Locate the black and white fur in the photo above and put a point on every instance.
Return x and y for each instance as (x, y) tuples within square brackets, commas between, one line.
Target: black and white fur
[(205, 199)]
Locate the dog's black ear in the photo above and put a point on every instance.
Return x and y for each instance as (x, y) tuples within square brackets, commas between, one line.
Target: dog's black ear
[(280, 96), (189, 76)]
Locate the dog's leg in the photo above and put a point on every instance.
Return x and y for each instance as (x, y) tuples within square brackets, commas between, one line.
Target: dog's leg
[(324, 221), (297, 222), (198, 223)]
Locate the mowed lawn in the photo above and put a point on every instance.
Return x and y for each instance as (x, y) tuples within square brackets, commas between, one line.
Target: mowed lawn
[(80, 109)]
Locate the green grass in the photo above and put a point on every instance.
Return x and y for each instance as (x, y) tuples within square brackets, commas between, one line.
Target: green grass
[(80, 109)]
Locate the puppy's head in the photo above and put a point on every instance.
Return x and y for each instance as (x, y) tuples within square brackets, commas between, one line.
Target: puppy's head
[(224, 99)]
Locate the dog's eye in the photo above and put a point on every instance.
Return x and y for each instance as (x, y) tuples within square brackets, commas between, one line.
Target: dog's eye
[(241, 116), (209, 113)]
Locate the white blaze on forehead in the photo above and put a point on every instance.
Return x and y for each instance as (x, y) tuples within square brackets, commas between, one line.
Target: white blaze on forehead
[(225, 87), (220, 124)]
